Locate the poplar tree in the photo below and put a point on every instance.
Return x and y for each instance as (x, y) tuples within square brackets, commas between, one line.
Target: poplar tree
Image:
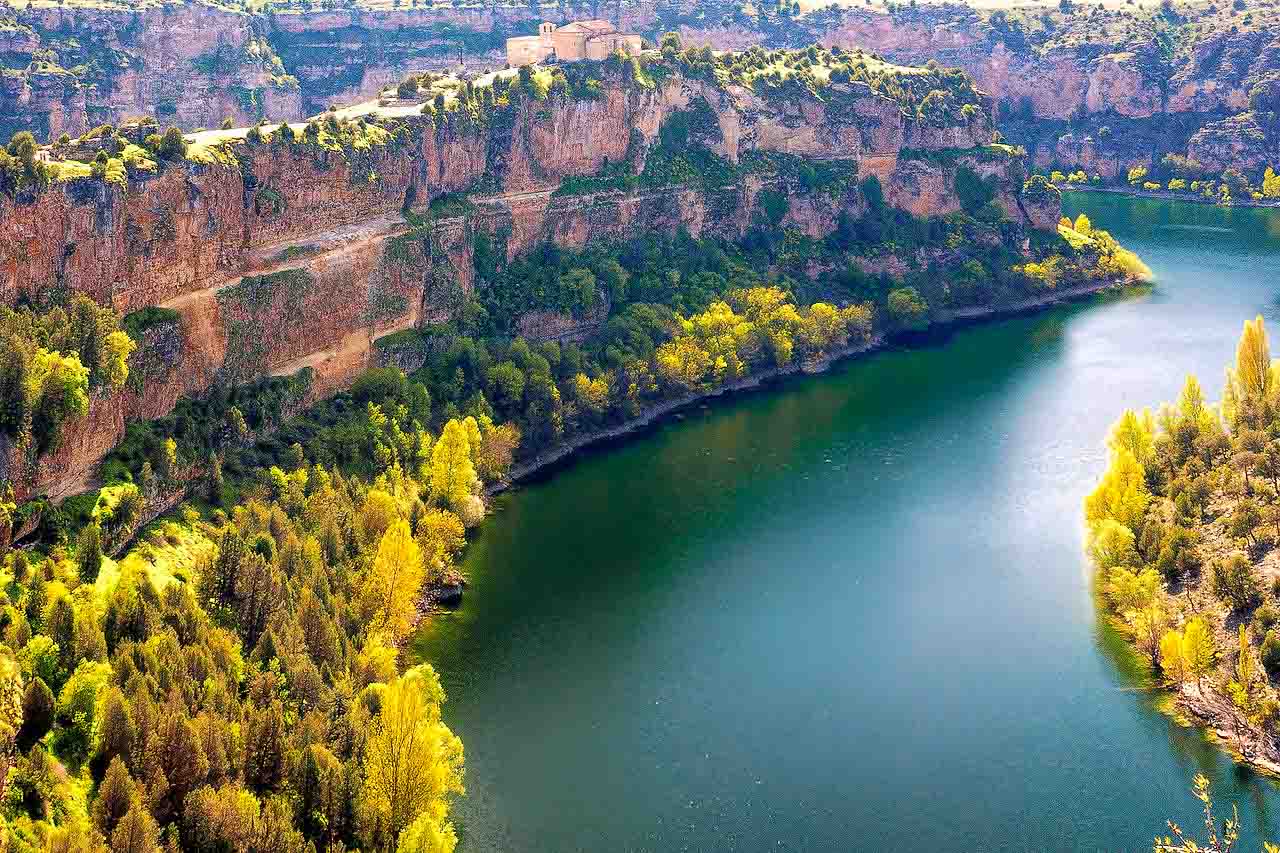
[(394, 582), (1198, 649), (453, 475), (1251, 384), (413, 762)]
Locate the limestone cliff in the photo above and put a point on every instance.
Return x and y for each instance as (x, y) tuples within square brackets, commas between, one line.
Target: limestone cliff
[(1053, 74), (283, 254)]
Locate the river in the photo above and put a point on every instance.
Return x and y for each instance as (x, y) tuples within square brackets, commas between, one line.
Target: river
[(853, 612)]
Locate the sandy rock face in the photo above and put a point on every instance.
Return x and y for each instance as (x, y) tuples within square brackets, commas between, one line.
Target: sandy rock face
[(300, 258)]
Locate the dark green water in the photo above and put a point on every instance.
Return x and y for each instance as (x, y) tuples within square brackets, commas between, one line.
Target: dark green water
[(852, 613)]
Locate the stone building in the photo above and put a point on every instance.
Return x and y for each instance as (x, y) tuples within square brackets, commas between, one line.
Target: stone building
[(579, 40)]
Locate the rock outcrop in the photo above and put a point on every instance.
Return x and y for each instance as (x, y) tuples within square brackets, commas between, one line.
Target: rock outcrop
[(275, 257)]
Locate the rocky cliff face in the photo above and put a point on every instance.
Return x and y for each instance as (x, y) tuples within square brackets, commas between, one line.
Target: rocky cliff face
[(1075, 74), (289, 256), (1093, 90), (190, 65)]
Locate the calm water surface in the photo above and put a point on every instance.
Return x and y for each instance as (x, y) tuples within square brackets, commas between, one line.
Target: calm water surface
[(853, 613)]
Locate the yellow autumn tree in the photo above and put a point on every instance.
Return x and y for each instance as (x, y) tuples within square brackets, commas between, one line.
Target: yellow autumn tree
[(1246, 688), (1122, 496), (1135, 433), (1111, 544), (1251, 382), (427, 835), (413, 762), (441, 536), (1198, 648), (453, 475), (394, 582), (1270, 183), (1189, 654), (1173, 658)]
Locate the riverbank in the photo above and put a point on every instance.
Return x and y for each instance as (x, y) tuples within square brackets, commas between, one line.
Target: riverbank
[(1166, 195), (1216, 714), (653, 414)]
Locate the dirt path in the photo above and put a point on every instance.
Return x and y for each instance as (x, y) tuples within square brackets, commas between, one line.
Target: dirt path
[(331, 244)]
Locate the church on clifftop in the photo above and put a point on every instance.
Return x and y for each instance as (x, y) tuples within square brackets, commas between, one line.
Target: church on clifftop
[(578, 40)]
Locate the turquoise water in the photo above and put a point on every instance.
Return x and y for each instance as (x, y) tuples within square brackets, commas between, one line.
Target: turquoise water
[(852, 612)]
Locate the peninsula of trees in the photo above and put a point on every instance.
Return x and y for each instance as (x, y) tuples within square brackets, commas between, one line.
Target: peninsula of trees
[(1183, 529)]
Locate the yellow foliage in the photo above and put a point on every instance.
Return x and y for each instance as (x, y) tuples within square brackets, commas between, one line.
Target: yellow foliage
[(592, 393), (1111, 545), (394, 582), (1134, 433), (413, 762), (1122, 496), (1270, 184), (1173, 658), (377, 514), (453, 474), (441, 536), (1250, 382), (1047, 273)]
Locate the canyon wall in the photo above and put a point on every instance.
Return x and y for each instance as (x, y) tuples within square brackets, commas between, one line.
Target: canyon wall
[(291, 256), (1078, 93)]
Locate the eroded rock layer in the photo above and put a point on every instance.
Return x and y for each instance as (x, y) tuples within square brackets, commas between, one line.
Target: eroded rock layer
[(281, 256)]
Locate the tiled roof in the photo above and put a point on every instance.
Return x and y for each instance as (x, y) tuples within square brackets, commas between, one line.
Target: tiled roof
[(588, 27)]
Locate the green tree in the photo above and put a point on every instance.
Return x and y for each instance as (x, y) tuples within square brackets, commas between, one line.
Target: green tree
[(114, 799), (1245, 520), (907, 309), (1235, 584), (89, 553), (37, 713)]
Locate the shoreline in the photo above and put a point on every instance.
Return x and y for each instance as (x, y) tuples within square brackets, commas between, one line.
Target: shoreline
[(1215, 715), (654, 414), (1166, 195)]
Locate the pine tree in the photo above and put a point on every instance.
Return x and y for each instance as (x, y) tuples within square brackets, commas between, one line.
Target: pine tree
[(89, 553), (37, 713), (116, 733), (264, 761), (137, 832), (115, 797)]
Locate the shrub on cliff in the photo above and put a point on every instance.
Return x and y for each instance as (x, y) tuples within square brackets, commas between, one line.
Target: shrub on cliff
[(907, 310), (48, 362), (1040, 190), (20, 168)]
